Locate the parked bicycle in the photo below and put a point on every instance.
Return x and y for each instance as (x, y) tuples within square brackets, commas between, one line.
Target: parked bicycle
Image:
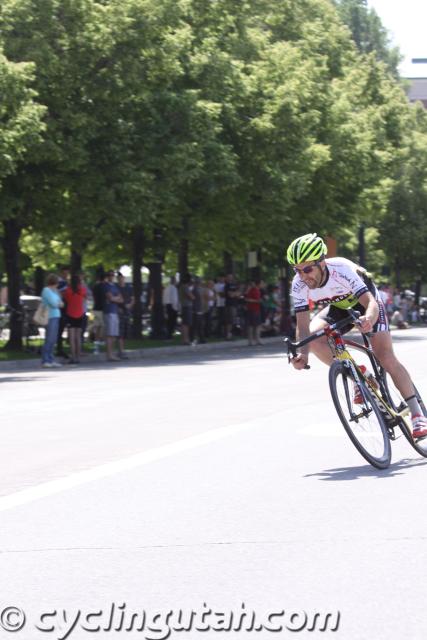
[(368, 404)]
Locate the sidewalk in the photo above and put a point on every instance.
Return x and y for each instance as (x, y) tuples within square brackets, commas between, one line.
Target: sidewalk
[(149, 353), (152, 353)]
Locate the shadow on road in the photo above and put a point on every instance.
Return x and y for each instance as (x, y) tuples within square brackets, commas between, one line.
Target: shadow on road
[(367, 471), (20, 378)]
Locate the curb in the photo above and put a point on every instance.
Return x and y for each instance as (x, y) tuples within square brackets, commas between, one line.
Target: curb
[(143, 354)]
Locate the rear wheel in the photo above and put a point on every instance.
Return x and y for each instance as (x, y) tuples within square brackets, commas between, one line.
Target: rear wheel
[(363, 423), (398, 404)]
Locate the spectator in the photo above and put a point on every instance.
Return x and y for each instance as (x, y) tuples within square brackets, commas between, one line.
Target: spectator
[(64, 276), (198, 311), (396, 299), (98, 292), (220, 306), (232, 294), (125, 311), (398, 320), (113, 298), (415, 314), (186, 298), (271, 305), (253, 307), (387, 298), (74, 296), (382, 292), (87, 301), (405, 306), (263, 290), (53, 301), (209, 297), (171, 304)]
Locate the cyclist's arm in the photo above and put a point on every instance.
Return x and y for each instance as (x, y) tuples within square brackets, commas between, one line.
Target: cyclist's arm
[(369, 318), (303, 331)]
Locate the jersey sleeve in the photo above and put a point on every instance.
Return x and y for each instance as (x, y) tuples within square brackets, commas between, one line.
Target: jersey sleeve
[(351, 279), (299, 293)]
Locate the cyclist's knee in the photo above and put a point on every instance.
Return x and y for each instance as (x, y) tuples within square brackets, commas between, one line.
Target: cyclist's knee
[(317, 324), (388, 360)]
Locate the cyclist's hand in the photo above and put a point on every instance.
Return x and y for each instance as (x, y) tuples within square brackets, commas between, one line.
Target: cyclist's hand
[(365, 325), (300, 361)]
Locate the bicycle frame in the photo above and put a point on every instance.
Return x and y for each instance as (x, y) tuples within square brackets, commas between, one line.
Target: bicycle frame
[(341, 352), (339, 348)]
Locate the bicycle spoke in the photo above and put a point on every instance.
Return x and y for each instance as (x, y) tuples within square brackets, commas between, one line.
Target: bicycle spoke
[(363, 422)]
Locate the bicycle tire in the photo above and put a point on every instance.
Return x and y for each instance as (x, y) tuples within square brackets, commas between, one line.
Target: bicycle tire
[(366, 428), (397, 402)]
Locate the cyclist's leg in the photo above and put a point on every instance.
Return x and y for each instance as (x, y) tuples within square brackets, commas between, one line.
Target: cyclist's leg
[(320, 347), (383, 348)]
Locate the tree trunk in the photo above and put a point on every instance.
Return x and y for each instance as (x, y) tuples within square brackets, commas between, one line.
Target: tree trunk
[(397, 272), (138, 242), (255, 272), (38, 280), (12, 235), (183, 250), (228, 263), (76, 261)]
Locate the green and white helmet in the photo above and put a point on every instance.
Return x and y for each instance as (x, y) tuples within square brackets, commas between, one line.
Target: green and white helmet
[(305, 248)]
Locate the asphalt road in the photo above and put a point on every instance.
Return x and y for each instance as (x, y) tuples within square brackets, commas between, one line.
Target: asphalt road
[(220, 484)]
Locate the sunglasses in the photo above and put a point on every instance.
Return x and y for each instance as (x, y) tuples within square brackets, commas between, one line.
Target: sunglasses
[(307, 269)]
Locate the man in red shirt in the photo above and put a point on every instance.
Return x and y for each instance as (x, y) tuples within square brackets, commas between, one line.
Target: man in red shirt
[(253, 315)]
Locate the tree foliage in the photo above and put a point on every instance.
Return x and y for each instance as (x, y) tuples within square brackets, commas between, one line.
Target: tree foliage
[(219, 125)]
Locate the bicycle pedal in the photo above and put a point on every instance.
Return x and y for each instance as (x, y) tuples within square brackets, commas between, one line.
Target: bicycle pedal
[(391, 433)]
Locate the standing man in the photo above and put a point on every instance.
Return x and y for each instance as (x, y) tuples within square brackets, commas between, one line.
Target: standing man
[(186, 298), (98, 292), (231, 293), (219, 288), (198, 312), (113, 298), (125, 310), (171, 304), (253, 312)]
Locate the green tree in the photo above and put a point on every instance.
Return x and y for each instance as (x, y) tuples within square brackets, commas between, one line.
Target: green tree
[(404, 226), (21, 126), (368, 32)]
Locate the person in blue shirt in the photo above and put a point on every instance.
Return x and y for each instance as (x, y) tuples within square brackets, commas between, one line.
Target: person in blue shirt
[(53, 301), (113, 298)]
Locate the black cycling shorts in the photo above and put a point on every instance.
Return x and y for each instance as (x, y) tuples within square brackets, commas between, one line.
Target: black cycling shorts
[(332, 314)]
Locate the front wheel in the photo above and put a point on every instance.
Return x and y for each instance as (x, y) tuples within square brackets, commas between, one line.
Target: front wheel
[(363, 423)]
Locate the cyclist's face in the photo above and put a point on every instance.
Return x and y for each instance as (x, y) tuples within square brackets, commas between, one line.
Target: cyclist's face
[(311, 273)]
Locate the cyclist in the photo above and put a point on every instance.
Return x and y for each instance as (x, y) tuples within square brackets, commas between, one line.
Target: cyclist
[(339, 284)]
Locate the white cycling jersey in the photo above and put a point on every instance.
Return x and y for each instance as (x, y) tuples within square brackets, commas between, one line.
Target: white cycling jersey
[(342, 289)]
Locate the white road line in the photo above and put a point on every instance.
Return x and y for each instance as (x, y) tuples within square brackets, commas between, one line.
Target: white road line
[(52, 487)]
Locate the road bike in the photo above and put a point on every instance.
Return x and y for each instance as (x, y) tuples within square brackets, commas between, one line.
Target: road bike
[(371, 409)]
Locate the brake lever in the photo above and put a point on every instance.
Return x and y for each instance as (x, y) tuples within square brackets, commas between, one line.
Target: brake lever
[(292, 350), (355, 315)]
